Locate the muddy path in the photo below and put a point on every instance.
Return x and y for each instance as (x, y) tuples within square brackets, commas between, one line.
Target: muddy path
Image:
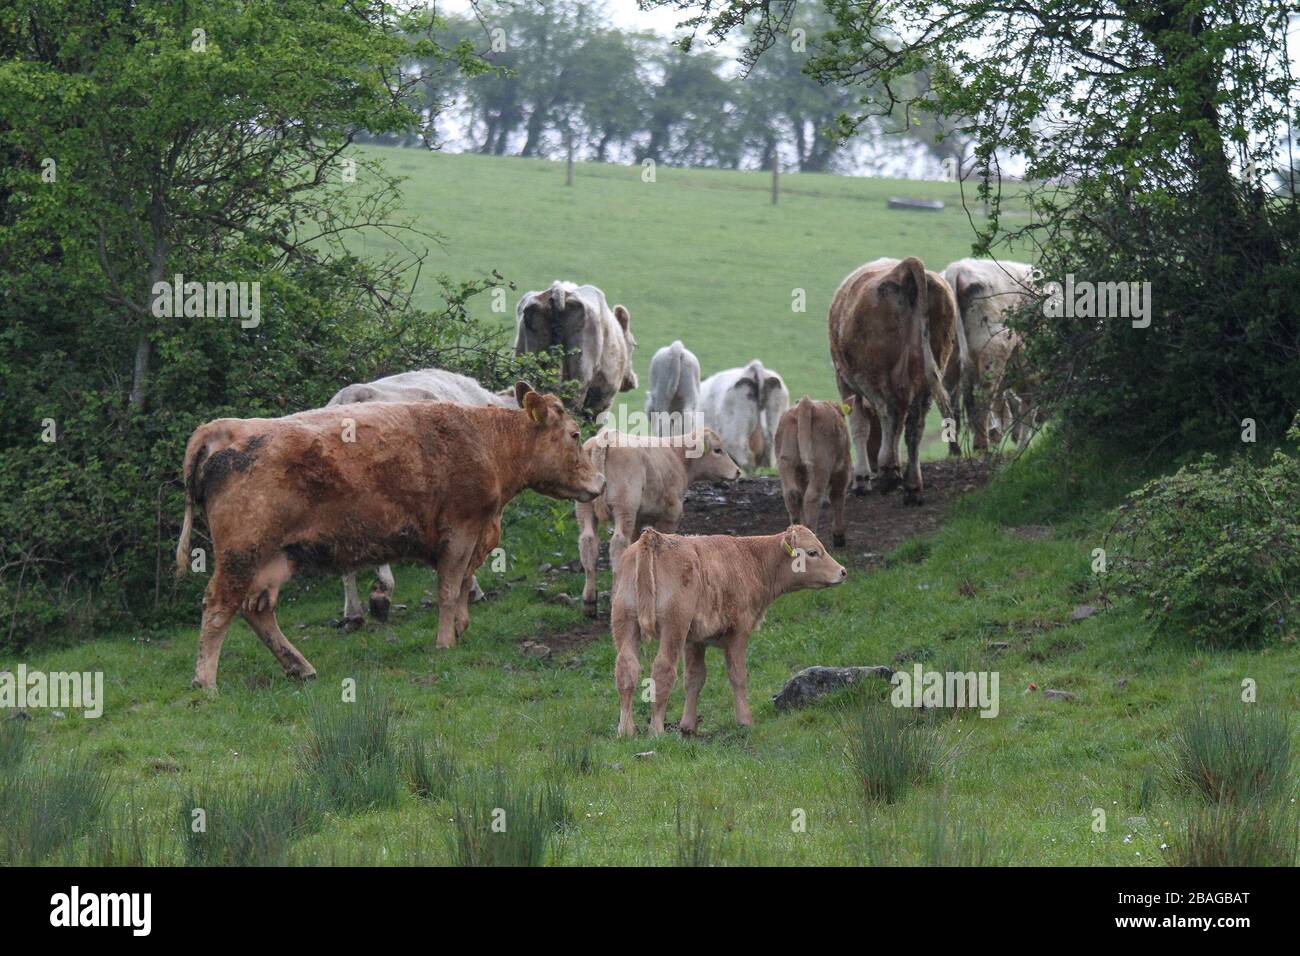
[(876, 524)]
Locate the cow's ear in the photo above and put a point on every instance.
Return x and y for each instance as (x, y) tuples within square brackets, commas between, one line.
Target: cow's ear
[(521, 389), (620, 313), (535, 406)]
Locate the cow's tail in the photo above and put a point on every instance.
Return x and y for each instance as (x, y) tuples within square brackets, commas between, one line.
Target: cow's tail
[(195, 452), (965, 366), (646, 618), (933, 374), (803, 431)]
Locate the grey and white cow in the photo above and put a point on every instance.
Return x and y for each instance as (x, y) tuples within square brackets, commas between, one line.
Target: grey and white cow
[(744, 406), (597, 340), (674, 390), (423, 385), (987, 289)]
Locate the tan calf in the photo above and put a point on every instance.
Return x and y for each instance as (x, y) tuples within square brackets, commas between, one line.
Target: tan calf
[(693, 592), (812, 455), (350, 486), (645, 485), (891, 331)]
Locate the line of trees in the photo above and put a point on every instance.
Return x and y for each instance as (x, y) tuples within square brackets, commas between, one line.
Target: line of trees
[(565, 79)]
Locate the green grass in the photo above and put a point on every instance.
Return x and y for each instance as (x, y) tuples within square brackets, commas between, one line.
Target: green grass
[(456, 734)]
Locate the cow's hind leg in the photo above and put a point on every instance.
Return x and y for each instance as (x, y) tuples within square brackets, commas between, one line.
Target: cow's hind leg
[(888, 472), (627, 663), (839, 486), (672, 636), (381, 593), (913, 429), (268, 631), (589, 553), (218, 613)]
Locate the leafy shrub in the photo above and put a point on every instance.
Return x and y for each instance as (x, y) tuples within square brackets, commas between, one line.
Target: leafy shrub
[(1213, 551), (1232, 752), (890, 750)]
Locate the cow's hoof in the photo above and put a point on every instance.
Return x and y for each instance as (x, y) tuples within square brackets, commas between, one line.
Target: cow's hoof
[(838, 541), (591, 608), (353, 623), (379, 605), (197, 684), (886, 484), (302, 675), (911, 497)]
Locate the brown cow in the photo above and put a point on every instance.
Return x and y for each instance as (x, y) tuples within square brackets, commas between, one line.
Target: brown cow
[(891, 331), (351, 486), (691, 592), (812, 452), (645, 484)]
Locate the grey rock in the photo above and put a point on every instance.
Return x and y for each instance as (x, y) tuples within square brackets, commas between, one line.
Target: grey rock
[(1059, 695), (999, 646), (1083, 612), (814, 682), (535, 649)]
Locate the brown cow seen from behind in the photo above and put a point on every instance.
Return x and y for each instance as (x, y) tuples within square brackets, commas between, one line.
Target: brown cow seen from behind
[(812, 452), (891, 329), (351, 486), (691, 592)]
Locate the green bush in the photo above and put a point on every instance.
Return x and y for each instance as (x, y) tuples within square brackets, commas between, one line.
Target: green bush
[(1213, 551)]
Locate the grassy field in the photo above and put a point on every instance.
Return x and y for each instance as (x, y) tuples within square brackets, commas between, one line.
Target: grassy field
[(290, 773)]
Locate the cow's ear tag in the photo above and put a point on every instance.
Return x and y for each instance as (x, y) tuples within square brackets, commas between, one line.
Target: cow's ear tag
[(789, 549), (845, 408)]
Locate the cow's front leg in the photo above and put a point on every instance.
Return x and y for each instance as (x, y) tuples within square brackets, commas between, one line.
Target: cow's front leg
[(738, 673), (267, 629), (381, 593), (625, 532), (695, 674), (453, 566)]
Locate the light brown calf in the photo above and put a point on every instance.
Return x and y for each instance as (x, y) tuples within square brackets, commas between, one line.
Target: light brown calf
[(692, 592), (812, 455), (645, 484), (891, 331), (350, 486)]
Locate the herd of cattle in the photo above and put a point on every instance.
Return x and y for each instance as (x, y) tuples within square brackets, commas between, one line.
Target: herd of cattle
[(420, 466)]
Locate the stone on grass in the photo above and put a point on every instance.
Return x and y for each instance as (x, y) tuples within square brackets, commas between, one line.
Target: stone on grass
[(814, 682)]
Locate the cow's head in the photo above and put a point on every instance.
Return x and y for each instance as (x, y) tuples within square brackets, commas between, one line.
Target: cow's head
[(805, 562), (559, 467), (707, 459)]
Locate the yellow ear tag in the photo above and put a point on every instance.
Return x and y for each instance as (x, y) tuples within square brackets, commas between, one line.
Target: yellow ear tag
[(788, 549), (845, 408), (535, 414)]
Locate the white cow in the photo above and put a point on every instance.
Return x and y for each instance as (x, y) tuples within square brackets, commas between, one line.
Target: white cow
[(424, 385), (674, 388), (744, 406), (597, 340), (986, 289)]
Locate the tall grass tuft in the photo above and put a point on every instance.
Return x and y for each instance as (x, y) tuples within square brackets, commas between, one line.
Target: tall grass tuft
[(1232, 752), (122, 839), (890, 751), (698, 843), (227, 826), (351, 755), (46, 805), (498, 822), (572, 757), (13, 742), (1257, 833), (430, 771)]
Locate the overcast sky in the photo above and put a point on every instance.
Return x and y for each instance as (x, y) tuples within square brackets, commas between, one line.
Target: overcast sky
[(622, 13)]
